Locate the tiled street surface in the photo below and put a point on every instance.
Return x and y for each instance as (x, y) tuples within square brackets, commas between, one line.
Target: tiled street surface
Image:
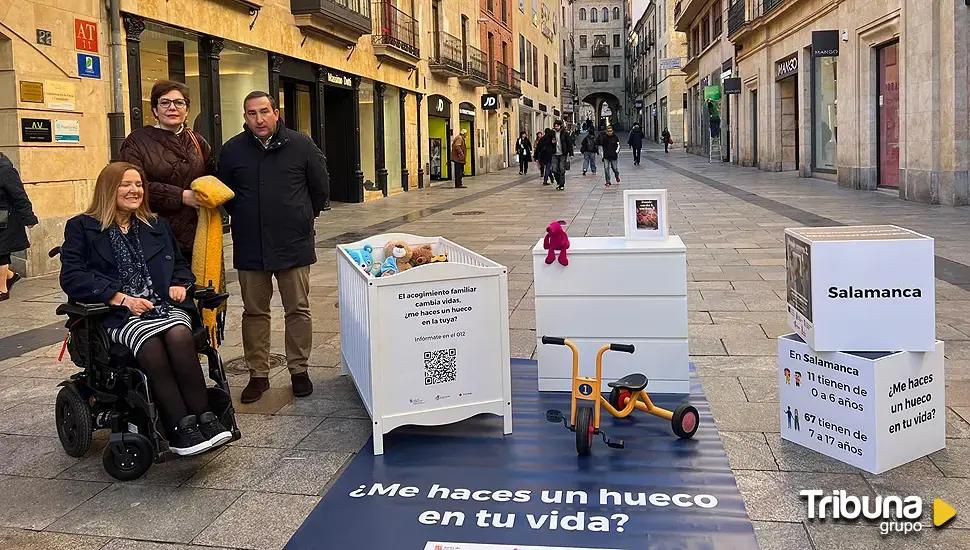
[(255, 492)]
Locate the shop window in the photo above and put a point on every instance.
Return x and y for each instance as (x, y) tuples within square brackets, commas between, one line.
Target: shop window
[(825, 113), (392, 136), (367, 161), (168, 54), (241, 70), (601, 73)]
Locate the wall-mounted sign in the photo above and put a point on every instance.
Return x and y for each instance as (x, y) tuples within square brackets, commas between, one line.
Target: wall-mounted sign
[(60, 95), (67, 131), (31, 92), (439, 106), (732, 86), (85, 36), (339, 79), (88, 66), (555, 112), (36, 130), (527, 102), (543, 108), (825, 43), (668, 63), (638, 104), (489, 102), (45, 38), (786, 67)]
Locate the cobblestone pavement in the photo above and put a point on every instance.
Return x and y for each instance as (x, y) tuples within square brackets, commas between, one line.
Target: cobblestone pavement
[(254, 493)]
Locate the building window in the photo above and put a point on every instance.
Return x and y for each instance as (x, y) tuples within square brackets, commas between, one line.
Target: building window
[(168, 54), (582, 14), (606, 15), (694, 41), (505, 11), (555, 80), (582, 41), (522, 6), (616, 13), (601, 73), (824, 115), (616, 41), (535, 65), (583, 72), (616, 71), (522, 55), (716, 30), (241, 70), (705, 32), (490, 6), (594, 15), (528, 60), (545, 72)]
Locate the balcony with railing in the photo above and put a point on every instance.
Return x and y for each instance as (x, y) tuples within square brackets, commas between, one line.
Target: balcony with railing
[(342, 20), (498, 81), (686, 11), (515, 83), (476, 68), (600, 50), (395, 35), (446, 55), (770, 5)]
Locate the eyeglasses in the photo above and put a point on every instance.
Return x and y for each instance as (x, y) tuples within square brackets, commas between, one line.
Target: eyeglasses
[(179, 103)]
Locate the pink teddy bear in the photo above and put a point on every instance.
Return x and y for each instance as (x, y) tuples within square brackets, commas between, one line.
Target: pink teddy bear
[(556, 240)]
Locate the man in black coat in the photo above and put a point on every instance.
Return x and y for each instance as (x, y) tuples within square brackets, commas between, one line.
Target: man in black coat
[(636, 143), (281, 184)]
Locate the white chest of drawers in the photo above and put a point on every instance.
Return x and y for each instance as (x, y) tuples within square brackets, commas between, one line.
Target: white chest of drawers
[(619, 291)]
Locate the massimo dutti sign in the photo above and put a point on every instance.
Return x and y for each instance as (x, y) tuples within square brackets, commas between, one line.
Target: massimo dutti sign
[(825, 43), (786, 67)]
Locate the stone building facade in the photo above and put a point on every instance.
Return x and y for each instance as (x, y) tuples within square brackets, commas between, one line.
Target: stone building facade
[(600, 29), (538, 35), (671, 48), (355, 75)]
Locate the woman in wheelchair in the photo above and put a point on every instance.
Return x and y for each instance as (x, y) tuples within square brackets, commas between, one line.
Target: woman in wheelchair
[(121, 254)]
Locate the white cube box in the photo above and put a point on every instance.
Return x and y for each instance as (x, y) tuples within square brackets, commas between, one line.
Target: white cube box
[(869, 288), (875, 411), (614, 291), (430, 345)]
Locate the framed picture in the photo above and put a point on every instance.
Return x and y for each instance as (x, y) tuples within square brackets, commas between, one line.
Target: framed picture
[(645, 214)]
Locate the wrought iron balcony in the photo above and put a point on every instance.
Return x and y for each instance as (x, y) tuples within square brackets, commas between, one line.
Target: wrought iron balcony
[(515, 81), (395, 35), (446, 55), (476, 68), (771, 4), (342, 20), (499, 79), (601, 50), (736, 16)]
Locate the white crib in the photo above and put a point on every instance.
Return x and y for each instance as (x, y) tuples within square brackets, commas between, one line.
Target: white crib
[(414, 365)]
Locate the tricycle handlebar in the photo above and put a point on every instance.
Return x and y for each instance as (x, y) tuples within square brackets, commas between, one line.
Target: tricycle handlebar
[(626, 348), (554, 340)]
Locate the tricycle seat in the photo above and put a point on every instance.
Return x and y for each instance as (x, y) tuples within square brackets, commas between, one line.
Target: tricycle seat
[(632, 382)]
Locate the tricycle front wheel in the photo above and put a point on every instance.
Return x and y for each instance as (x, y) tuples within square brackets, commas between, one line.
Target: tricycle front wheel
[(584, 430)]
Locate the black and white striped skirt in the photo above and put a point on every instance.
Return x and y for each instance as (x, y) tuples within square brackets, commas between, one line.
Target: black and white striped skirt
[(136, 331)]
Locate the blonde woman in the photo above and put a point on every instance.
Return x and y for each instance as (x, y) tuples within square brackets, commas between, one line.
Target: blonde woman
[(121, 254)]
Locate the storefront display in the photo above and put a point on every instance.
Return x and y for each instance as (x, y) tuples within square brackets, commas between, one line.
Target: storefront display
[(392, 137), (873, 410), (171, 54), (241, 70), (439, 137), (428, 344), (866, 288), (466, 121), (825, 113), (367, 134)]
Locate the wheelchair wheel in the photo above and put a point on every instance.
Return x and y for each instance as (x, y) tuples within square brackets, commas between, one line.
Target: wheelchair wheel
[(584, 430), (132, 461), (72, 415)]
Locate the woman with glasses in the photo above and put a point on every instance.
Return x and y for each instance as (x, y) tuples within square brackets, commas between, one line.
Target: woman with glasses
[(172, 156)]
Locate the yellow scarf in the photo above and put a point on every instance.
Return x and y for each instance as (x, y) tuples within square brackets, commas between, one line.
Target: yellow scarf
[(208, 259)]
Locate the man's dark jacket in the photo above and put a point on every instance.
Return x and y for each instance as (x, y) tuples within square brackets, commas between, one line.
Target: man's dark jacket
[(280, 190), (89, 271), (636, 138), (20, 213), (611, 146)]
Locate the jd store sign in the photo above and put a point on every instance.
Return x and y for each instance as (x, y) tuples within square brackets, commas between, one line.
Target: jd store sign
[(489, 102), (787, 67)]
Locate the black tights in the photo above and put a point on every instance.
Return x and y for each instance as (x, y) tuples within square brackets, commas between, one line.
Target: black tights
[(175, 375)]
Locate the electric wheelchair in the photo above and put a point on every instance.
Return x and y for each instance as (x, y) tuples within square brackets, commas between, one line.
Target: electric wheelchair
[(110, 392)]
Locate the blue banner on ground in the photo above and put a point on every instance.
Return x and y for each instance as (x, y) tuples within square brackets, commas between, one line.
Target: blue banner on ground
[(468, 487)]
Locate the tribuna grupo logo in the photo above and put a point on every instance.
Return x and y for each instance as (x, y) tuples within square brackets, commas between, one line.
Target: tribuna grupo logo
[(895, 514)]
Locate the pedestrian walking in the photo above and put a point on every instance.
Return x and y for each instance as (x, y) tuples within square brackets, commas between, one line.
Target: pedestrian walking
[(636, 143), (16, 215), (458, 155), (611, 152), (563, 149), (590, 151), (172, 155), (535, 150), (281, 185), (523, 148), (667, 140), (545, 149)]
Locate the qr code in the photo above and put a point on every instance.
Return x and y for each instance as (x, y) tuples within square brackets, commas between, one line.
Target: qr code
[(440, 366)]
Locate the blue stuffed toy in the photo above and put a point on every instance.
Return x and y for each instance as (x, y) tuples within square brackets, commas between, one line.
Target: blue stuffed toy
[(364, 258), (389, 267)]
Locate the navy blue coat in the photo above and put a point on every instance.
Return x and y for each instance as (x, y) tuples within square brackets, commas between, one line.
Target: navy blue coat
[(20, 213), (89, 273)]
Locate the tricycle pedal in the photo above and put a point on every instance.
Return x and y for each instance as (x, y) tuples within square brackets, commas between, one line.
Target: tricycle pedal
[(618, 444), (554, 416)]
